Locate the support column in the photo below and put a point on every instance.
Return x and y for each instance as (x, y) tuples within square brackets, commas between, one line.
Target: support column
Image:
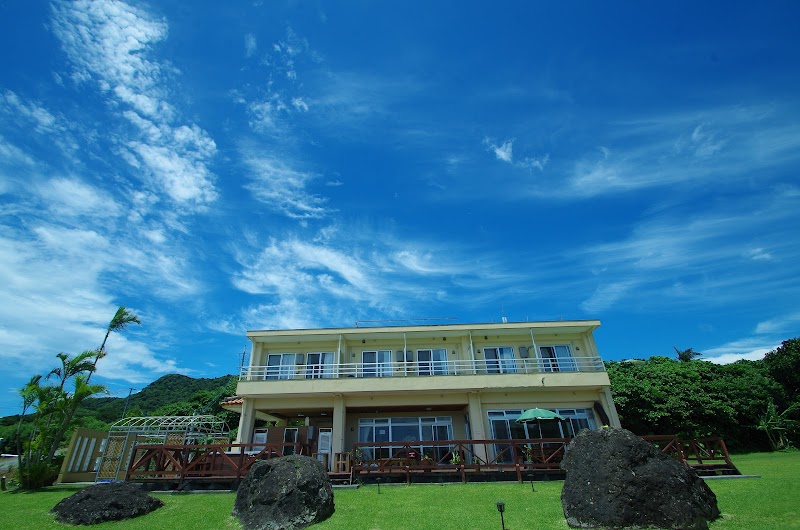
[(477, 424), (247, 420), (338, 432), (608, 404)]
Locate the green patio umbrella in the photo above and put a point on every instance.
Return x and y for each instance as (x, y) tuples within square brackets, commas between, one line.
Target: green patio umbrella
[(538, 414)]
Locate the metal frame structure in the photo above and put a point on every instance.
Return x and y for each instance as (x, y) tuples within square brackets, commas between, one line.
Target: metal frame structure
[(161, 430)]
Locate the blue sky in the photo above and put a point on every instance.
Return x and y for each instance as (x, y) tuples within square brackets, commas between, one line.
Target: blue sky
[(224, 166)]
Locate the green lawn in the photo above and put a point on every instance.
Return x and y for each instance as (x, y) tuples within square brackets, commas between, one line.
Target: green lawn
[(770, 502)]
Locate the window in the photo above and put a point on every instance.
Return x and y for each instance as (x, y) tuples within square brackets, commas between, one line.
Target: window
[(319, 365), (500, 360), (289, 436), (376, 363), (557, 359), (505, 427), (432, 362), (280, 366), (406, 430)]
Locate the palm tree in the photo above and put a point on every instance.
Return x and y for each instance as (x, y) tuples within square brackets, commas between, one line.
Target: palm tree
[(64, 405), (686, 355), (122, 318), (28, 393)]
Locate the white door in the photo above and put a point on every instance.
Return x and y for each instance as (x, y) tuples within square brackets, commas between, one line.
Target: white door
[(324, 445)]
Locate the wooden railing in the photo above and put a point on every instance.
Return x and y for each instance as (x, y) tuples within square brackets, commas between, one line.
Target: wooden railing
[(461, 457), (700, 454), (231, 462), (211, 462)]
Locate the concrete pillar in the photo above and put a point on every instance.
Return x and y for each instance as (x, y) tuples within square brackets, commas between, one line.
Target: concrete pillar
[(247, 420), (339, 425), (477, 423), (607, 400)]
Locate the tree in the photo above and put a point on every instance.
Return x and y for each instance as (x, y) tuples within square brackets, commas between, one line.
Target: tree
[(686, 355), (122, 318), (55, 405), (783, 364), (693, 399), (777, 425)]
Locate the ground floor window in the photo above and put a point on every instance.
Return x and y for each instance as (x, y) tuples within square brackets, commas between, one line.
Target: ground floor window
[(405, 430), (504, 426)]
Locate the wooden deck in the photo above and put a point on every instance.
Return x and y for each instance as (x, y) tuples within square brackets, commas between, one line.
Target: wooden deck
[(420, 461)]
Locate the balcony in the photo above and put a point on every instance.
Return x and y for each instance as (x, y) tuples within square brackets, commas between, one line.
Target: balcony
[(421, 369)]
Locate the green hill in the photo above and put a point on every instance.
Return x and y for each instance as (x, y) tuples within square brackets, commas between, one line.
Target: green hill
[(170, 395), (167, 390)]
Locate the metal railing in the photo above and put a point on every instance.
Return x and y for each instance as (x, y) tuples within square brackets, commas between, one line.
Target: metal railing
[(421, 368)]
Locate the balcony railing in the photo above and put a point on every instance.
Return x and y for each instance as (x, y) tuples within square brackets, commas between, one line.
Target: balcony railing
[(421, 368)]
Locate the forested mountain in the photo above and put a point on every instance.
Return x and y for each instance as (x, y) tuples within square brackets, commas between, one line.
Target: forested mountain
[(168, 390), (169, 395)]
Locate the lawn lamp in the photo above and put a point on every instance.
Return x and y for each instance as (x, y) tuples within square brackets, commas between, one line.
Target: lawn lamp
[(501, 507)]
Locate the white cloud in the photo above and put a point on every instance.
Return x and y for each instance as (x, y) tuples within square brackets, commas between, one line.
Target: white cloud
[(784, 324), (751, 349), (678, 256), (605, 296), (110, 43), (11, 155), (53, 282), (759, 254), (299, 104), (31, 115), (503, 151), (250, 44), (699, 148), (283, 189), (72, 197)]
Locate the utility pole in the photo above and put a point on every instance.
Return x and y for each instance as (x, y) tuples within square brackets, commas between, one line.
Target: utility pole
[(130, 390)]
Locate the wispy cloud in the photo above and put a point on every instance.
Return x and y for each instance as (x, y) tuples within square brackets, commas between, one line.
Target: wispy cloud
[(346, 275), (283, 189), (32, 115), (677, 257), (505, 153), (270, 105), (768, 336), (110, 44), (250, 44), (789, 323), (692, 149)]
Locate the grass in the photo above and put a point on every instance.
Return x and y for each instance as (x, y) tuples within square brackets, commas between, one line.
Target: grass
[(766, 503)]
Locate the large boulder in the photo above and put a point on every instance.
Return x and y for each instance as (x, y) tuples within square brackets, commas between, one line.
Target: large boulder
[(285, 493), (617, 480), (105, 502)]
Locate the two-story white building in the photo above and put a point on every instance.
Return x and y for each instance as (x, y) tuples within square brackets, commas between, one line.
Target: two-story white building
[(341, 386)]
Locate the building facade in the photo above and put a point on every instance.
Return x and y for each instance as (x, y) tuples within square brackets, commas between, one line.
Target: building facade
[(332, 388)]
